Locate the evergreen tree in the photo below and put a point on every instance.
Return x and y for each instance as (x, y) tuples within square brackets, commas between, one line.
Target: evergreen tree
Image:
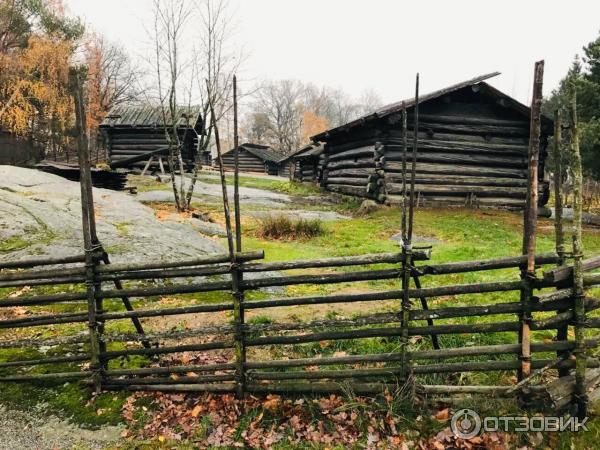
[(584, 76)]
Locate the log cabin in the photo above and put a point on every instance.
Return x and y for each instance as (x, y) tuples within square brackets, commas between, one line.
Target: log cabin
[(303, 165), (472, 149), (132, 134), (253, 158), (18, 151)]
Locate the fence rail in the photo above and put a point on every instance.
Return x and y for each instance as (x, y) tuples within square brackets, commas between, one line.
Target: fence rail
[(83, 302), (364, 373)]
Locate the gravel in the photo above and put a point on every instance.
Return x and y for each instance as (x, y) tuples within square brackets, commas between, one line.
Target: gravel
[(35, 430)]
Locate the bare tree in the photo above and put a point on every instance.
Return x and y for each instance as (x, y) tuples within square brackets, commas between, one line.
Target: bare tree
[(257, 127), (215, 63), (368, 102), (194, 64), (170, 20), (281, 104), (111, 70), (280, 112)]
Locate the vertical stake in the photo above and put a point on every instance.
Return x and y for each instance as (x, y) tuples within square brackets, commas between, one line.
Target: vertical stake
[(240, 351), (238, 272), (407, 226), (580, 396), (236, 174), (530, 223), (405, 281), (90, 239), (404, 150), (414, 162), (562, 331), (558, 200)]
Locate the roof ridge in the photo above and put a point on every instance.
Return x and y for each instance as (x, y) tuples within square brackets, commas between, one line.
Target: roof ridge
[(396, 106)]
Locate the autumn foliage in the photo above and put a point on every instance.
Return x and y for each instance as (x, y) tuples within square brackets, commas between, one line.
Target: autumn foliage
[(38, 45), (35, 83), (36, 48), (261, 422), (312, 124)]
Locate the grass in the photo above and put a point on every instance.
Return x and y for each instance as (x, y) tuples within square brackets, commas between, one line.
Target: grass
[(461, 235), (276, 226), (148, 183), (13, 243)]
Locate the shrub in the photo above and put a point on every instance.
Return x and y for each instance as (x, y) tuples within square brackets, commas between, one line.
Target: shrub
[(285, 227)]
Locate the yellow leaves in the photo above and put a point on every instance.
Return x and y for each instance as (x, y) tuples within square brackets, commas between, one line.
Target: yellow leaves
[(312, 124), (196, 411), (442, 415), (272, 402), (34, 82)]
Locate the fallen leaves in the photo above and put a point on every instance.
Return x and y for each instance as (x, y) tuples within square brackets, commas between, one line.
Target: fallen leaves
[(261, 422), (445, 439), (442, 415), (272, 402), (196, 411)]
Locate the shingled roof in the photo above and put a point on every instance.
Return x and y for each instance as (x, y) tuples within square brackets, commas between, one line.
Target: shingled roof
[(263, 152), (150, 117), (396, 107)]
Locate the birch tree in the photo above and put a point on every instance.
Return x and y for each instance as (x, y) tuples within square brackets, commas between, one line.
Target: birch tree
[(170, 21)]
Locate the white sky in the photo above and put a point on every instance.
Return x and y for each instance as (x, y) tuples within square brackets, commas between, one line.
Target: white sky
[(381, 44)]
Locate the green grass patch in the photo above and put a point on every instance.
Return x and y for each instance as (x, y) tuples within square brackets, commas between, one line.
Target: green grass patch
[(277, 226)]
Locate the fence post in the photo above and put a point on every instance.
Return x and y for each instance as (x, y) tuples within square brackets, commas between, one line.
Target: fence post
[(562, 330), (407, 227), (90, 240), (530, 224), (238, 311), (580, 396), (238, 274)]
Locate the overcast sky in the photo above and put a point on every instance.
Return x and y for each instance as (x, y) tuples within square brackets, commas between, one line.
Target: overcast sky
[(381, 44)]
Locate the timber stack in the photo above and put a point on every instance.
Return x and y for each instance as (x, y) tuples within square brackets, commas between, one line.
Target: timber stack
[(472, 150)]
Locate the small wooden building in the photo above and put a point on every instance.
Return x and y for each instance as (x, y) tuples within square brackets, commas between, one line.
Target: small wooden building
[(132, 134), (473, 147), (18, 151), (253, 158), (304, 164)]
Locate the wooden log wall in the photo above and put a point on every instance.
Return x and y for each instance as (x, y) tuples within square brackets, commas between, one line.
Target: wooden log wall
[(248, 162), (287, 168), (472, 151), (349, 166), (127, 143), (305, 169), (485, 168)]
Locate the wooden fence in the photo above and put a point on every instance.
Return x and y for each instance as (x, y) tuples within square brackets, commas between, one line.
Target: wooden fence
[(89, 355), (83, 336)]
